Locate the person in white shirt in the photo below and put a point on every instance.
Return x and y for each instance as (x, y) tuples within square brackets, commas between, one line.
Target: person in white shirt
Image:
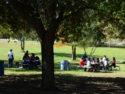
[(10, 58), (104, 58), (88, 64), (106, 64)]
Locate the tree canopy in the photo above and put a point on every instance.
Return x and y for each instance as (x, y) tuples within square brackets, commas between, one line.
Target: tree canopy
[(46, 16)]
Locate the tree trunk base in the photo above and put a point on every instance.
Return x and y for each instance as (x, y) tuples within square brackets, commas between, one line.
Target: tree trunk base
[(50, 89)]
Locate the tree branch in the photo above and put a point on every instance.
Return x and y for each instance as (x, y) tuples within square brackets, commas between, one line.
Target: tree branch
[(27, 14), (62, 17)]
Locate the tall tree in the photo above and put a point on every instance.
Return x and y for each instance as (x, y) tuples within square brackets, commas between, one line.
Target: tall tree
[(82, 30), (70, 32), (45, 16)]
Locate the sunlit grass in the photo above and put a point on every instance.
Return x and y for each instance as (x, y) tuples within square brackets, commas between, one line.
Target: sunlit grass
[(62, 52)]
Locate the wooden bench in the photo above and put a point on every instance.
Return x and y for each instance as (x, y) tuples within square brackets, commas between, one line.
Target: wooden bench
[(25, 66), (114, 68)]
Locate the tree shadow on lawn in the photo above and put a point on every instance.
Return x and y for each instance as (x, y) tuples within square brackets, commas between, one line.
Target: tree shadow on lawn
[(72, 66), (38, 53), (118, 47), (123, 62), (112, 46), (20, 67), (57, 54), (67, 55), (14, 63), (67, 84)]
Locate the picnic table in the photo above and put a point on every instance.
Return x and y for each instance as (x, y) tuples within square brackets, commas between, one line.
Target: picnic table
[(100, 68)]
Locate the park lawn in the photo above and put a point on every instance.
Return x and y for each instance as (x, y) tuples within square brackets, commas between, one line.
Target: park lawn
[(60, 53), (74, 81)]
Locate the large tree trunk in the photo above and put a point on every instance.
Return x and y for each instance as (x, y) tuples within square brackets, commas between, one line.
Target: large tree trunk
[(48, 79), (47, 37), (73, 52)]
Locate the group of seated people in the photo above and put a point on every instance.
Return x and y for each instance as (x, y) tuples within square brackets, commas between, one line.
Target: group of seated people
[(96, 64), (30, 60)]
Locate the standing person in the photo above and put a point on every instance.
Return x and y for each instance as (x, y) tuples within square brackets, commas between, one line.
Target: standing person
[(10, 58), (113, 62)]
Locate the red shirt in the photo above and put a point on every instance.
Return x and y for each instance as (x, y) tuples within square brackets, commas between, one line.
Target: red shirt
[(81, 63), (113, 61)]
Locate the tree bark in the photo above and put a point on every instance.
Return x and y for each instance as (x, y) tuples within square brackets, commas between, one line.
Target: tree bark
[(22, 45), (47, 35), (48, 78), (73, 52), (84, 50)]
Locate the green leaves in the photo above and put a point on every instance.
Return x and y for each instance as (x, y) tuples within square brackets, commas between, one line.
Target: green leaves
[(75, 16)]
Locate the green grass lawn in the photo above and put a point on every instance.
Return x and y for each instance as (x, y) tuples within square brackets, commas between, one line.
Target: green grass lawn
[(74, 81), (63, 52)]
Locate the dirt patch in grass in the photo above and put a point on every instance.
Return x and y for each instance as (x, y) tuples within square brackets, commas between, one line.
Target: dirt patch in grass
[(67, 84)]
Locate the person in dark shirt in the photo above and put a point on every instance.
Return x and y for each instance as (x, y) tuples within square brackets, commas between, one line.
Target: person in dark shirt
[(113, 62), (26, 58), (84, 56)]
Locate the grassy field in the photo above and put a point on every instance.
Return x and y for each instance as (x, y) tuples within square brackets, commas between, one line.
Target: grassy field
[(61, 52), (74, 81)]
